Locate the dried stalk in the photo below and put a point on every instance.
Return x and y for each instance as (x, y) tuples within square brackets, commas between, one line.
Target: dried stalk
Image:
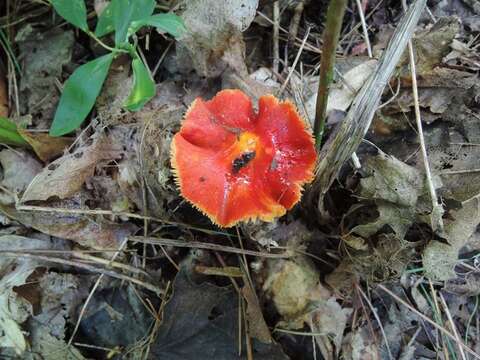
[(437, 210), (207, 246)]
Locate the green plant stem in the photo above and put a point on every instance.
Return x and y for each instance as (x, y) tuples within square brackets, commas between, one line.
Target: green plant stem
[(8, 49), (331, 35), (105, 46)]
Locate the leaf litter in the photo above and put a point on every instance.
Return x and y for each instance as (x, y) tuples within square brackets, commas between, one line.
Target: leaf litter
[(74, 287)]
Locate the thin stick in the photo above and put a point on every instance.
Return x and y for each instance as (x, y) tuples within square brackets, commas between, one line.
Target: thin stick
[(364, 28), (294, 24), (295, 62), (457, 172), (108, 263), (114, 213), (162, 57), (208, 246), (335, 13), (276, 35), (431, 322), (90, 295), (437, 210), (375, 315), (454, 328), (308, 46)]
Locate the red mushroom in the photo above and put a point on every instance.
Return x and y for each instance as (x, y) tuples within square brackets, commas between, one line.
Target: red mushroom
[(236, 165)]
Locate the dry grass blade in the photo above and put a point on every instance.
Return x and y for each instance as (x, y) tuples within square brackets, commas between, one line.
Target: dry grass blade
[(207, 246), (454, 328), (379, 322), (437, 210), (348, 135)]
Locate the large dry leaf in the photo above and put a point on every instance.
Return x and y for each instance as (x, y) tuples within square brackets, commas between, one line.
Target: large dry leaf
[(457, 165), (66, 175), (201, 323), (60, 296), (439, 259), (360, 344), (11, 313), (329, 318), (398, 218), (213, 32), (43, 57), (14, 310), (396, 188), (97, 234), (391, 180), (344, 91), (19, 168)]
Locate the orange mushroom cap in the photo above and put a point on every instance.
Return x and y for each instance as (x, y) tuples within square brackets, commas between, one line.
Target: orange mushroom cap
[(236, 165)]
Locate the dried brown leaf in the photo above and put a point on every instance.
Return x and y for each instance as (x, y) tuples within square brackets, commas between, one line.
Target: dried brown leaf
[(213, 33), (97, 234), (45, 146), (66, 175), (19, 168), (439, 259)]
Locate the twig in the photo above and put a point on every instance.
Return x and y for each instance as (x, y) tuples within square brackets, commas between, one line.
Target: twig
[(208, 246), (457, 172), (364, 28), (90, 295), (294, 24), (162, 57), (114, 213), (276, 33), (375, 315), (452, 325), (437, 210), (108, 263), (335, 13), (308, 46), (295, 62)]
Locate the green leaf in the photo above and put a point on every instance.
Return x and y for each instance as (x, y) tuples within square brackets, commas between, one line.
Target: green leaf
[(79, 95), (143, 87), (9, 134), (142, 8), (74, 11), (126, 11), (169, 23), (105, 22)]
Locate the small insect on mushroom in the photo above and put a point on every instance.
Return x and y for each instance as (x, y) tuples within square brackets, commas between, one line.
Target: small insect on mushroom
[(237, 165)]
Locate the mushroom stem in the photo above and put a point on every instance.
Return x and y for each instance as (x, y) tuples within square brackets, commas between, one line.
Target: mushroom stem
[(331, 35)]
